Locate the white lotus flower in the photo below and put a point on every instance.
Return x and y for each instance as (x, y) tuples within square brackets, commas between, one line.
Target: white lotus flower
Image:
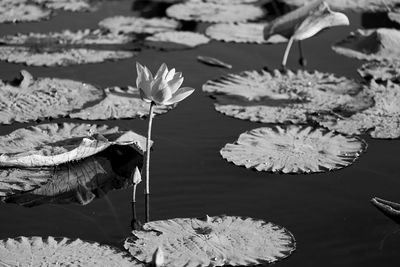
[(162, 89)]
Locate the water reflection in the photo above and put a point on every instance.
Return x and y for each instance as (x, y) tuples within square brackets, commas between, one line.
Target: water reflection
[(377, 20), (83, 181)]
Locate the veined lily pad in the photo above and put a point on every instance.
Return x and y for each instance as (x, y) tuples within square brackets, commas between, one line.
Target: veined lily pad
[(293, 149), (20, 10), (176, 40), (53, 144), (382, 119), (353, 5), (275, 97), (213, 241), (68, 5), (121, 24), (62, 251), (375, 44), (381, 70), (242, 33), (119, 104), (32, 99), (210, 12)]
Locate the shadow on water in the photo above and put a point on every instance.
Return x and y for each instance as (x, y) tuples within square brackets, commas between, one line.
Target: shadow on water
[(377, 20)]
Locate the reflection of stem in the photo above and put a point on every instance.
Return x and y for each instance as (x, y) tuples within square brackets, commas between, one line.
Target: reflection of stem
[(135, 223), (285, 56), (147, 204), (147, 164), (302, 59)]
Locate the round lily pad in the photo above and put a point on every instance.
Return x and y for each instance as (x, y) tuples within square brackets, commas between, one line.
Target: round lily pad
[(32, 99), (374, 44), (278, 97), (68, 5), (21, 10), (176, 40), (210, 12), (381, 70), (53, 144), (122, 24), (61, 251), (352, 5), (119, 104), (212, 241), (242, 33), (293, 149)]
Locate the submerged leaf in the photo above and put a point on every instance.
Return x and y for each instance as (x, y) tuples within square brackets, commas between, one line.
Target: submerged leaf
[(389, 208), (53, 144), (215, 241), (352, 5), (20, 10), (176, 40), (293, 149), (381, 70), (33, 99), (374, 44), (210, 12), (281, 97), (62, 251), (121, 24), (213, 62)]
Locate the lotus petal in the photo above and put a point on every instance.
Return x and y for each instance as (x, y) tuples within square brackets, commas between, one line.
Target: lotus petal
[(173, 40), (121, 24), (381, 70), (61, 251), (20, 10), (210, 12), (293, 149), (213, 241), (389, 208), (351, 5), (53, 144)]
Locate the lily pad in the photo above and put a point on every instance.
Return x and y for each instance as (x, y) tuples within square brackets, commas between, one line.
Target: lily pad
[(53, 144), (61, 251), (213, 241), (20, 10), (278, 97), (176, 40), (32, 99), (351, 5), (381, 70), (68, 5), (375, 44), (382, 120), (119, 104), (242, 33), (293, 149), (394, 15), (122, 24), (210, 12)]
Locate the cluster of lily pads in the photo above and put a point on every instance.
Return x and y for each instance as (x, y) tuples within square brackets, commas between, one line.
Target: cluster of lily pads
[(41, 163)]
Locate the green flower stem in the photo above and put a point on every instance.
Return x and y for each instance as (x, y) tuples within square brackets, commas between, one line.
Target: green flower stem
[(134, 193), (147, 164), (285, 56)]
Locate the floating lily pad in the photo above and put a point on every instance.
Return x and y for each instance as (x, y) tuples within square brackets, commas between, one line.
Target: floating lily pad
[(381, 70), (242, 33), (20, 10), (119, 104), (61, 251), (121, 24), (213, 241), (276, 97), (176, 40), (293, 149), (210, 12), (33, 99), (352, 5), (382, 119), (53, 144), (394, 15), (68, 5), (375, 44)]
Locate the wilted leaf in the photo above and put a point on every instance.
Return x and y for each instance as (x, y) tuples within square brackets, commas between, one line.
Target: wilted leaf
[(389, 208), (242, 33), (275, 97), (53, 144), (32, 99), (61, 251), (293, 149), (213, 62), (119, 104), (352, 5), (375, 44), (176, 40), (121, 24), (214, 241), (68, 5), (210, 12), (20, 10), (381, 70)]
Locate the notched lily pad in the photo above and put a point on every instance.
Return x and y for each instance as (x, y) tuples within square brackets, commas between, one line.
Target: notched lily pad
[(176, 40), (352, 5), (278, 97), (212, 241), (381, 70), (53, 144), (210, 12), (30, 99), (61, 251), (19, 11), (293, 149), (122, 24), (374, 44), (242, 33), (119, 104)]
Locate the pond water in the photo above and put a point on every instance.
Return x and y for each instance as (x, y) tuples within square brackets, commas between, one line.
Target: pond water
[(329, 214)]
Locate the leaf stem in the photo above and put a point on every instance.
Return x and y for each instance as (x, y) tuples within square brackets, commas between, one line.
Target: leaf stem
[(285, 56)]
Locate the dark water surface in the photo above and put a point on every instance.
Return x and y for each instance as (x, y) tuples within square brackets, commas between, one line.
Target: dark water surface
[(329, 214)]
